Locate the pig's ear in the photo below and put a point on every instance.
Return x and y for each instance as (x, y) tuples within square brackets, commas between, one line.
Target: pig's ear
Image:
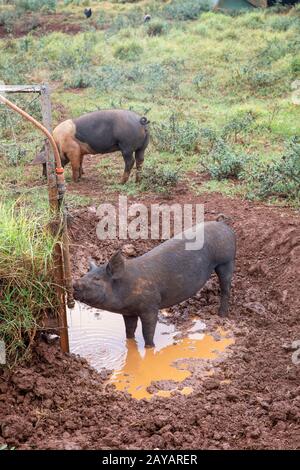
[(115, 266), (92, 265)]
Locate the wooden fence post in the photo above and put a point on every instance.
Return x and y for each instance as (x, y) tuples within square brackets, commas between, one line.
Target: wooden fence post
[(58, 211)]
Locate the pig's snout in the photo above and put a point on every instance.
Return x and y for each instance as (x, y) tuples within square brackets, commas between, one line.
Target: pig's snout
[(77, 290)]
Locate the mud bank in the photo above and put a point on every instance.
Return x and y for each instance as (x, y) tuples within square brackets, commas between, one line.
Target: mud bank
[(252, 399)]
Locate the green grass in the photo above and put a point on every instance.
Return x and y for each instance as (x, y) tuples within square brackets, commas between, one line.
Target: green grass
[(204, 72), (26, 289)]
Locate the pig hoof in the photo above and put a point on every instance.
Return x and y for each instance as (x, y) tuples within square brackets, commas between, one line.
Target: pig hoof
[(148, 346)]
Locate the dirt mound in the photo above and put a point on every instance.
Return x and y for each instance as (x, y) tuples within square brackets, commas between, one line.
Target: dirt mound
[(251, 402)]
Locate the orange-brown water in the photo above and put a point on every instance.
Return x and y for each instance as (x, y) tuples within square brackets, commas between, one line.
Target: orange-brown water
[(100, 337)]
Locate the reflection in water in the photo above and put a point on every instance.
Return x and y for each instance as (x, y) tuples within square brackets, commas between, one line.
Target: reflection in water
[(100, 337), (138, 372)]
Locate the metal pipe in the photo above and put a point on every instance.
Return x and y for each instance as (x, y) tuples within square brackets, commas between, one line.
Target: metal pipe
[(39, 126)]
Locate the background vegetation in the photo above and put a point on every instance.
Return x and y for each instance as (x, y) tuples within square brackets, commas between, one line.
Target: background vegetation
[(216, 87)]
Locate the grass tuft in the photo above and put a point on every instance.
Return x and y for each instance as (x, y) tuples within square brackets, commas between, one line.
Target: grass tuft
[(26, 287)]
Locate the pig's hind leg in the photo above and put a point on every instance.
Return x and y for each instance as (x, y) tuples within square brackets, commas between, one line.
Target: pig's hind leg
[(130, 325), (149, 321), (129, 162), (139, 159), (225, 272)]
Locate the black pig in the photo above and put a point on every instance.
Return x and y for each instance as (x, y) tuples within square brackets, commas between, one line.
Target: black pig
[(163, 277), (101, 132)]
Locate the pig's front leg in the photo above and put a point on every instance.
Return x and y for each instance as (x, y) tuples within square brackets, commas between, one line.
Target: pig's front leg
[(130, 325), (149, 320)]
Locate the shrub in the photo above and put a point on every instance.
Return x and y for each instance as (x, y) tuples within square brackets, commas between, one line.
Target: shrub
[(238, 125), (27, 291), (174, 136), (80, 79), (253, 21), (257, 79), (160, 179), (8, 19), (295, 64), (15, 155), (34, 5), (223, 161), (157, 28), (202, 30), (272, 51), (154, 76), (102, 20), (131, 19), (280, 178), (108, 78), (200, 80), (208, 137), (130, 51), (281, 22), (183, 10)]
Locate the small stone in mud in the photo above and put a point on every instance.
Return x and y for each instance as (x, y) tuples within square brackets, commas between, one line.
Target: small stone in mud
[(129, 250), (255, 434), (256, 269), (211, 384), (24, 383), (92, 210), (71, 425), (255, 307)]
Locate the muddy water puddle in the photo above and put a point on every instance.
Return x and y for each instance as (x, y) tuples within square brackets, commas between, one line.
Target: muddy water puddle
[(99, 336)]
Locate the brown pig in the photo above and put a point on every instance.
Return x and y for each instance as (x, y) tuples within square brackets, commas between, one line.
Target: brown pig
[(101, 132)]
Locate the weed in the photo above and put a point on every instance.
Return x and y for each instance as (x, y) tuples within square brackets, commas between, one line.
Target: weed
[(157, 28), (238, 125), (295, 65), (200, 80), (160, 179), (183, 10), (280, 178), (223, 162), (34, 5), (174, 136), (130, 51), (80, 78)]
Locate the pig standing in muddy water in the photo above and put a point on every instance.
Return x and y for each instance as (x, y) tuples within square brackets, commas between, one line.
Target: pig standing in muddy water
[(165, 276), (101, 132)]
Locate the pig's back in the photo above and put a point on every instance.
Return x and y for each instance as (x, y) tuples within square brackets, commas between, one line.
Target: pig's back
[(216, 241), (177, 273), (104, 130)]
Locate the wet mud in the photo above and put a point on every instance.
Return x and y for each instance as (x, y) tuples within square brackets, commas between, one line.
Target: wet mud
[(99, 337)]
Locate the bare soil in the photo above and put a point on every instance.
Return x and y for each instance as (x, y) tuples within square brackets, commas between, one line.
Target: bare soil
[(251, 402), (44, 24)]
